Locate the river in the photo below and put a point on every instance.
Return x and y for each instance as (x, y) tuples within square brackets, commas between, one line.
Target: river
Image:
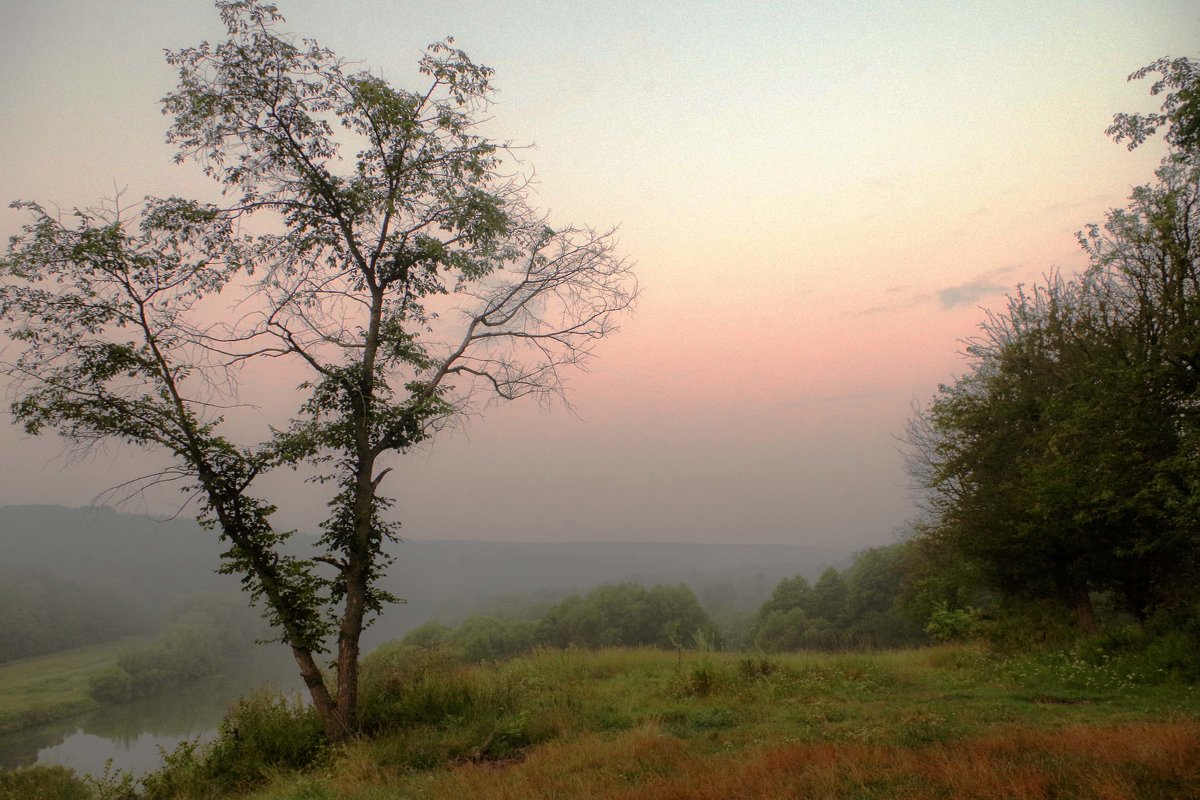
[(132, 734)]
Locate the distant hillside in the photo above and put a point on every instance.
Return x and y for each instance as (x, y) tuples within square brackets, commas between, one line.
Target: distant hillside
[(99, 545)]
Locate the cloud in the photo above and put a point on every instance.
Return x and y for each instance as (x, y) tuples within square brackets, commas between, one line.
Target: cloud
[(974, 290), (966, 293), (987, 284)]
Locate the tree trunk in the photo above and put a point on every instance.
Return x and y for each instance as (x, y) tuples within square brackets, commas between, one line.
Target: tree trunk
[(348, 650), (332, 718), (1085, 612)]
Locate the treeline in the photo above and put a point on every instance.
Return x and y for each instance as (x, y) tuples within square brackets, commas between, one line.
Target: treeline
[(613, 615), (871, 604), (878, 601), (41, 613), (206, 635), (77, 577), (1062, 472)]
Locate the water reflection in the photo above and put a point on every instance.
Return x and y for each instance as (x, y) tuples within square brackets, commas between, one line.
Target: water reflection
[(132, 734)]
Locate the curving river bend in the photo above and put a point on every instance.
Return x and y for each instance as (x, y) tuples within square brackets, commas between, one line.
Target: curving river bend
[(132, 734)]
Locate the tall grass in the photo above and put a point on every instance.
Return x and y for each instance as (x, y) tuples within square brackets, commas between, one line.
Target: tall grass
[(1149, 761), (939, 722)]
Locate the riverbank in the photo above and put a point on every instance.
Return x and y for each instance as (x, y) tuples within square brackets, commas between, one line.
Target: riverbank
[(41, 689)]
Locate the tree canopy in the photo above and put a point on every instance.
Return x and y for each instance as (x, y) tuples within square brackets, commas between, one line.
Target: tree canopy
[(1067, 460)]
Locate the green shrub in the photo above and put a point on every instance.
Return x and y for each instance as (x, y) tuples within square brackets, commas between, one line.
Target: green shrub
[(44, 783), (431, 634), (703, 679), (266, 730), (112, 685), (1018, 625), (952, 624), (489, 639), (753, 668), (262, 734), (1174, 655), (625, 615)]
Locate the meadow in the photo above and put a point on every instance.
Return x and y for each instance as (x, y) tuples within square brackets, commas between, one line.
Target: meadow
[(940, 722), (43, 688), (936, 722)]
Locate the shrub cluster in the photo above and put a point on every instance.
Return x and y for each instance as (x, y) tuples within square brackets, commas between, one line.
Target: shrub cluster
[(862, 606), (208, 632), (613, 615)]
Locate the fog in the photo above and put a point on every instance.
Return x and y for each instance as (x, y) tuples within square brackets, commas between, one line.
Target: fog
[(819, 203)]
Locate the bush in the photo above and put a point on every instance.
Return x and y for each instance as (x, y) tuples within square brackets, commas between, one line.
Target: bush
[(952, 624), (431, 634), (404, 686), (262, 734), (1018, 625), (1174, 655), (44, 783), (625, 615), (266, 730), (112, 685), (488, 639)]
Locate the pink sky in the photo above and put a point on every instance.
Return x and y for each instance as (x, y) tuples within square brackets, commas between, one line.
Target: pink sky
[(819, 203)]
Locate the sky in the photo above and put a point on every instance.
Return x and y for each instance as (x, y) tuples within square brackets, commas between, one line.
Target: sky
[(822, 203)]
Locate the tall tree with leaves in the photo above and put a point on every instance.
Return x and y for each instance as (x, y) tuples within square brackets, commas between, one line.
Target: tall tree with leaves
[(396, 263), (1067, 460)]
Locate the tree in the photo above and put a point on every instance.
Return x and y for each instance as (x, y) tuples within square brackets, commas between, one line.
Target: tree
[(1066, 460), (393, 260), (1180, 112), (626, 615)]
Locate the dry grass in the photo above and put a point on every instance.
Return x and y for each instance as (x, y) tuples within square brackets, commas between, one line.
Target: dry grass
[(619, 724), (1148, 761)]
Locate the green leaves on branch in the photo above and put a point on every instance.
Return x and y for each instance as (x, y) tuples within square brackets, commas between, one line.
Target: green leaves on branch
[(411, 281), (1064, 462)]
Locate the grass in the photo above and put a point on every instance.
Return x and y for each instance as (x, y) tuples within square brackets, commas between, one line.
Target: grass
[(45, 688), (946, 722), (933, 723)]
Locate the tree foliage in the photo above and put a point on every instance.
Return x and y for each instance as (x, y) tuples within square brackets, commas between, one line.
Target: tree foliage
[(864, 605), (41, 613), (1067, 460), (611, 615), (627, 615), (392, 257)]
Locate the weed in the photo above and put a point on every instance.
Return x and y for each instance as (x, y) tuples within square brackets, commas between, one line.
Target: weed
[(263, 734), (752, 668), (44, 783)]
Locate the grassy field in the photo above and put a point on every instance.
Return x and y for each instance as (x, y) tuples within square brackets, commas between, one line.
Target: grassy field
[(934, 723), (36, 690), (945, 722)]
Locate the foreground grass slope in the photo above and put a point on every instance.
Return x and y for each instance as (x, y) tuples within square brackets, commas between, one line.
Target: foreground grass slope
[(943, 722)]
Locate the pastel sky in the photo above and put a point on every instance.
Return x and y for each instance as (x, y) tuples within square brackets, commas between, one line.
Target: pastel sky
[(821, 199)]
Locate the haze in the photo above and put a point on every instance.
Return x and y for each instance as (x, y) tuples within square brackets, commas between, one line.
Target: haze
[(820, 202)]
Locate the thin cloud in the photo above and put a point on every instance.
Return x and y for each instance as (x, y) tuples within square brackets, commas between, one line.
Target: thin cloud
[(981, 286), (984, 285), (967, 293)]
